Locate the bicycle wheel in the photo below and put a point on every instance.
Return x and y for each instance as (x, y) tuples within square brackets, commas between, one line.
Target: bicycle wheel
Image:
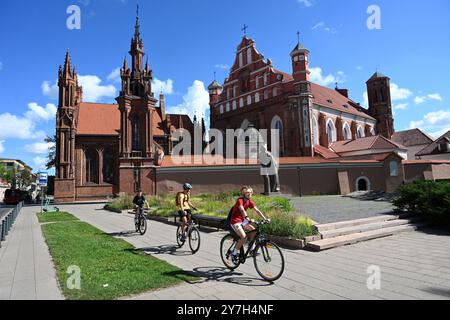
[(269, 261), (194, 240), (227, 245), (142, 225), (179, 237)]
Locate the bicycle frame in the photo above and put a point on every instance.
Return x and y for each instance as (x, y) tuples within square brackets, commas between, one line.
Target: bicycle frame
[(259, 238)]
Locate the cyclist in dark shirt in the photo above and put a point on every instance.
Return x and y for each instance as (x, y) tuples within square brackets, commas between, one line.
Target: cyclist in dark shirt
[(138, 201)]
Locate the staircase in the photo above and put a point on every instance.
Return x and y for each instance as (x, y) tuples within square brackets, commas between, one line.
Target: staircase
[(350, 232)]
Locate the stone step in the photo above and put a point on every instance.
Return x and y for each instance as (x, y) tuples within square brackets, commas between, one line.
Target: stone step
[(357, 222), (367, 227), (325, 244)]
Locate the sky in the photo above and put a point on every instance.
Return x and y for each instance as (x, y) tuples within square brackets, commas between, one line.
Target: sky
[(187, 41)]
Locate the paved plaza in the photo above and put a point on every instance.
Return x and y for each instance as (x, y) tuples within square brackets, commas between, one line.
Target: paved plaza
[(327, 209), (413, 265)]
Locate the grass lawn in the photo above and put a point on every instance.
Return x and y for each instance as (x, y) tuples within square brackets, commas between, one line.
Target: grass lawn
[(55, 217), (110, 267)]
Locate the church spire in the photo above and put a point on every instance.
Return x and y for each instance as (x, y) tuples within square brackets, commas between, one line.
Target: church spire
[(137, 47), (137, 34), (67, 65)]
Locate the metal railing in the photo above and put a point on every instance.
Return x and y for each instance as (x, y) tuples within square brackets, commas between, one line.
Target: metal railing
[(7, 221)]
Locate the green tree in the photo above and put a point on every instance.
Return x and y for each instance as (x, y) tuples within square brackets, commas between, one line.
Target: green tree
[(51, 156), (24, 179), (5, 174)]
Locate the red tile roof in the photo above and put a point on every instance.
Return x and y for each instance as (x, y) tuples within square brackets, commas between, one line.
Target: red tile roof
[(374, 142), (412, 137), (104, 119), (323, 96), (325, 152), (432, 148), (98, 119), (426, 162)]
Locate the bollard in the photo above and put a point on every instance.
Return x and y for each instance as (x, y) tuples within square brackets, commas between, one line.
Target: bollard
[(2, 233)]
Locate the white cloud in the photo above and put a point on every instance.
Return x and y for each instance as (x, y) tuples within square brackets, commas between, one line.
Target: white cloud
[(422, 99), (37, 113), (50, 90), (222, 66), (114, 76), (437, 122), (398, 93), (322, 26), (39, 147), (23, 127), (195, 101), (93, 91), (307, 3), (317, 77), (165, 87), (359, 68), (2, 148), (40, 162), (401, 106)]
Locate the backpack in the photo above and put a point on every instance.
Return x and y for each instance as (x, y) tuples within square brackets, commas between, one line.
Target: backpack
[(228, 221), (177, 203)]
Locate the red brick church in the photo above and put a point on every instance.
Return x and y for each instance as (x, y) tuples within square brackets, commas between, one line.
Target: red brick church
[(104, 149), (310, 117)]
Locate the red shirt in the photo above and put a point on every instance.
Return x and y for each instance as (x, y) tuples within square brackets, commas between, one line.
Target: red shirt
[(237, 215)]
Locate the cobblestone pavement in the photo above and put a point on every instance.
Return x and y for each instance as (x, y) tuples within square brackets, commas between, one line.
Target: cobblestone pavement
[(412, 265), (326, 209)]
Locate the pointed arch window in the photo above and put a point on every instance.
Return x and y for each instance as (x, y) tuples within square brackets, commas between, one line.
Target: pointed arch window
[(360, 133), (347, 133), (331, 131), (136, 128), (315, 131), (108, 166), (91, 172)]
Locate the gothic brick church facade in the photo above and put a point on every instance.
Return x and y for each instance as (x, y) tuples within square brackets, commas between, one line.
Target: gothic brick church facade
[(309, 117), (104, 149)]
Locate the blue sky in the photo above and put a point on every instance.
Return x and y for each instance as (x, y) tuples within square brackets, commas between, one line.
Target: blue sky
[(187, 41)]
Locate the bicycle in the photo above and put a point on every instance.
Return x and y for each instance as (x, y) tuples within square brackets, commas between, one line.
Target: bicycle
[(140, 222), (192, 233), (267, 256)]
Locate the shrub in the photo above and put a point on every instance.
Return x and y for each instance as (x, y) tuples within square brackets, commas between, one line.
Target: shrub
[(123, 202), (428, 198), (289, 225)]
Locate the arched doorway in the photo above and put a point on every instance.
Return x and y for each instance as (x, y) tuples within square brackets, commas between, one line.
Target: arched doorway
[(362, 184)]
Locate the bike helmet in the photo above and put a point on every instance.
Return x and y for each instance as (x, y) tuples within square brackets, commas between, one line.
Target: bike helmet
[(187, 186)]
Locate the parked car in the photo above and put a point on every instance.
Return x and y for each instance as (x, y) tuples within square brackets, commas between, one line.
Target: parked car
[(14, 196)]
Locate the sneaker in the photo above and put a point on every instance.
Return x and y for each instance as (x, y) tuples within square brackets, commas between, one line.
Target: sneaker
[(183, 238), (235, 258)]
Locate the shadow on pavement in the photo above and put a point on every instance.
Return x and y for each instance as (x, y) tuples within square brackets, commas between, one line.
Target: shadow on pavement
[(164, 249), (438, 291), (129, 233), (222, 274)]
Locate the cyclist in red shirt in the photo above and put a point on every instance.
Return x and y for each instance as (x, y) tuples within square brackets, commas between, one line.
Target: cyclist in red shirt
[(240, 222)]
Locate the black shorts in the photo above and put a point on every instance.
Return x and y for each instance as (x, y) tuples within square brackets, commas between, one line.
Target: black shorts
[(185, 213)]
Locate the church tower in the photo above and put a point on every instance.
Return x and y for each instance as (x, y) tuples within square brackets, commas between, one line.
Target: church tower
[(380, 106), (301, 102), (70, 96), (137, 112)]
